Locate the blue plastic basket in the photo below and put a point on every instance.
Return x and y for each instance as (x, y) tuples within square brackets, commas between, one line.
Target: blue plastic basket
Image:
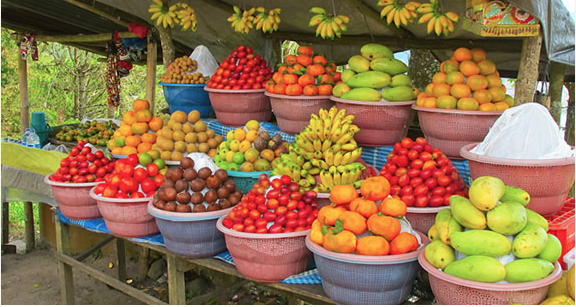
[(245, 180), (188, 97)]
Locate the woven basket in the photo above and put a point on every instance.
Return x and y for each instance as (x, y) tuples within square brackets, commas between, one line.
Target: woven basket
[(74, 199), (236, 107), (293, 112)]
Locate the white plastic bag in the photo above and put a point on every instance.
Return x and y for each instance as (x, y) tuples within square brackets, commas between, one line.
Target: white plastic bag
[(527, 131), (207, 64), (59, 148), (202, 160)]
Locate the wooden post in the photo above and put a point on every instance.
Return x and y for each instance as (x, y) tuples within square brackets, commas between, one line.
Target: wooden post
[(41, 224), (569, 134), (5, 223), (23, 88), (176, 286), (528, 70), (143, 262), (29, 225), (151, 57), (121, 256), (64, 269), (556, 85)]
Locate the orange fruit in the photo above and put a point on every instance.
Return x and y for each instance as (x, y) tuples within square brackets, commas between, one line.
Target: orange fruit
[(125, 130), (501, 106), (144, 116), (482, 96), (420, 99), (139, 128), (478, 54), (415, 91), (446, 102), (144, 147), (149, 138), (132, 140), (487, 67), (128, 150), (460, 90), (179, 116), (393, 206), (477, 82), (117, 150), (467, 103), (462, 54), (488, 106), (440, 90), (429, 102), (439, 78), (428, 90), (140, 104), (129, 117), (156, 124), (469, 68), (449, 66), (372, 246), (403, 243), (494, 80), (455, 77), (498, 94), (509, 100)]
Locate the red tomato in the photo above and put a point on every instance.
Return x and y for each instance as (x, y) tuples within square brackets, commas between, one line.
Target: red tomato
[(421, 190), (291, 215), (158, 179), (261, 230), (285, 179), (140, 174), (421, 201), (275, 229), (110, 191), (128, 184), (291, 224), (238, 227), (260, 223), (132, 159), (85, 150), (137, 195), (436, 201), (148, 185), (444, 181), (250, 229), (227, 222), (292, 205)]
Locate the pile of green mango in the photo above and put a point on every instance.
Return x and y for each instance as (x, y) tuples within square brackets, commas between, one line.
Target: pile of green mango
[(374, 75), (499, 238)]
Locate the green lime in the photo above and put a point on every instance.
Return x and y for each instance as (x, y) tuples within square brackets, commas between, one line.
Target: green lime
[(144, 159), (119, 142), (160, 163), (154, 154), (238, 158), (222, 153), (224, 165), (232, 167)]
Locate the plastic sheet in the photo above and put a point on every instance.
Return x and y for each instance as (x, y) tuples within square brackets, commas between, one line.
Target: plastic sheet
[(207, 64)]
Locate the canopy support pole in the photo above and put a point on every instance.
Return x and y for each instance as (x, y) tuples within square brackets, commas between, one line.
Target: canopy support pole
[(151, 57), (528, 71), (23, 88), (556, 85), (569, 134)]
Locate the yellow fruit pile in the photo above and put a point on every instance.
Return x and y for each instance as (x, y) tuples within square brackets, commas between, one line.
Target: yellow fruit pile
[(184, 134), (133, 135)]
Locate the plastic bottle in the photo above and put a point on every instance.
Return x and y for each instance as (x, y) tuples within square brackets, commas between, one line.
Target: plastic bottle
[(33, 140), (25, 136)]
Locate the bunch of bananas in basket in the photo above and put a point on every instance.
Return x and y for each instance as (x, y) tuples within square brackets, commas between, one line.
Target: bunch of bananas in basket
[(242, 21), (397, 13), (268, 22), (328, 25), (438, 22)]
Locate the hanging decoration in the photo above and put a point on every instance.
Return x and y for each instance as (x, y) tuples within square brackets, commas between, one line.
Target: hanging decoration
[(438, 22), (328, 25), (242, 21), (268, 22), (28, 45), (398, 13), (117, 66), (179, 13)]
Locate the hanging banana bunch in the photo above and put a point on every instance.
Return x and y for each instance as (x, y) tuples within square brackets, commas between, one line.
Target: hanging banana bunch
[(268, 22), (438, 22), (328, 25), (187, 16), (242, 22), (399, 14), (165, 16)]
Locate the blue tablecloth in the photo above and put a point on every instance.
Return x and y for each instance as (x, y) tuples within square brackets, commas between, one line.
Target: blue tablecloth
[(310, 277)]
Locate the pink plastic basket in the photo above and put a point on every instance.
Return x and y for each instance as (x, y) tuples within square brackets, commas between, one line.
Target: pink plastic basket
[(74, 199), (366, 280), (548, 181), (127, 218), (267, 257), (190, 235), (293, 112), (450, 290), (422, 219), (449, 130), (381, 123), (322, 199), (236, 107)]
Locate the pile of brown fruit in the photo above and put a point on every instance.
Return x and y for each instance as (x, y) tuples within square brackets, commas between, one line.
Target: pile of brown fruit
[(182, 71), (186, 189)]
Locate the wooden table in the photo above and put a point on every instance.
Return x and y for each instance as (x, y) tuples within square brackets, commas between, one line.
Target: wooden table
[(177, 266)]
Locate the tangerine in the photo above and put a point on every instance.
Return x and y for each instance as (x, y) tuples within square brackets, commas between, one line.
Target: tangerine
[(128, 150), (440, 90), (494, 80), (446, 102), (501, 105), (462, 54), (372, 246), (125, 130), (393, 206), (140, 104), (460, 90), (144, 147), (429, 89), (467, 103), (478, 54), (429, 102), (156, 124), (469, 68), (488, 106), (139, 128), (455, 77), (129, 117), (132, 140), (403, 243), (477, 82), (149, 138), (439, 78), (487, 67), (420, 99), (144, 116), (498, 94), (449, 66), (482, 96)]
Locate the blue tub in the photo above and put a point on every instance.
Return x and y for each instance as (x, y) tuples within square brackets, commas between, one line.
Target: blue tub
[(188, 97)]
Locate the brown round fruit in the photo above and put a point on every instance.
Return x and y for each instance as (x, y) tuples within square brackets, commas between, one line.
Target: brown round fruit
[(183, 197), (187, 163), (222, 175), (199, 208), (160, 204), (214, 207), (190, 174), (176, 173), (204, 173), (224, 203), (211, 196), (183, 208), (230, 185), (213, 182), (181, 185), (233, 199), (170, 206), (167, 183), (197, 185), (223, 192), (197, 198), (238, 193), (170, 194)]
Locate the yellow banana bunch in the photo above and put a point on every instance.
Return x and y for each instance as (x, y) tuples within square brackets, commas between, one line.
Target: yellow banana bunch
[(242, 22), (437, 21), (268, 22), (187, 16), (328, 25), (165, 16), (399, 14)]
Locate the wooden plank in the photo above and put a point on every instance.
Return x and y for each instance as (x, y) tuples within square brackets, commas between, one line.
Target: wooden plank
[(64, 269), (29, 226), (41, 225), (176, 286), (121, 257), (143, 256), (109, 280), (23, 89), (222, 292), (94, 248), (528, 69), (5, 223), (151, 60), (80, 38)]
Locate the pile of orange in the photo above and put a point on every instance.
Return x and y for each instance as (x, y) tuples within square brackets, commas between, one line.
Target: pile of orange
[(357, 224), (467, 81), (134, 134), (304, 74)]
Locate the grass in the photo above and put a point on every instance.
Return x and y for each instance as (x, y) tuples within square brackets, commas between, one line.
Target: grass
[(17, 220)]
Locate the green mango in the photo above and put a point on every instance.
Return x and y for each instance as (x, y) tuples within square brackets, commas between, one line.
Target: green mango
[(371, 79), (481, 242), (485, 192), (362, 94), (347, 74), (530, 241), (553, 249), (466, 213), (390, 66), (375, 51), (401, 80), (477, 268), (514, 194), (399, 93), (438, 254), (526, 270), (339, 89), (533, 217), (359, 63), (508, 218)]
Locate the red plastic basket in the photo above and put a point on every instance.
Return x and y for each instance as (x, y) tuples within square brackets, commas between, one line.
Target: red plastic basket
[(293, 112), (74, 199), (236, 107), (422, 219), (562, 226)]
